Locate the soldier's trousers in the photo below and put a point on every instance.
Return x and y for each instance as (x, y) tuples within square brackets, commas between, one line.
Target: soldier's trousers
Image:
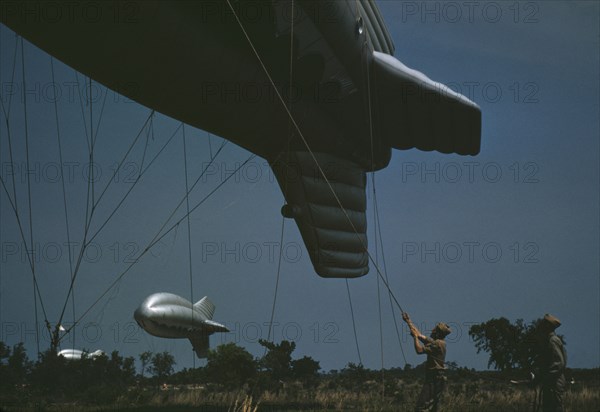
[(431, 394), (552, 399)]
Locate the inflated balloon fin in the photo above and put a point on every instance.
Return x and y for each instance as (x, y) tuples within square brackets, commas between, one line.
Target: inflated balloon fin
[(200, 343), (329, 210), (205, 307), (414, 111)]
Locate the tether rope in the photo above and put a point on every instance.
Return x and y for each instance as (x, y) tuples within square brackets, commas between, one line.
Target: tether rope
[(304, 141), (137, 180), (353, 323), (189, 231), (64, 191), (365, 47), (125, 156), (276, 286), (12, 77), (149, 132), (85, 242), (290, 135), (92, 143), (158, 236), (7, 121), (83, 117), (15, 205), (378, 223), (32, 244)]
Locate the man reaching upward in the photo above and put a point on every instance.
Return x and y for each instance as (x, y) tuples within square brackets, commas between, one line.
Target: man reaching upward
[(435, 349)]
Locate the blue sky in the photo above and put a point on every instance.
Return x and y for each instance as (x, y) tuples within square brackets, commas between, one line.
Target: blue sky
[(511, 232)]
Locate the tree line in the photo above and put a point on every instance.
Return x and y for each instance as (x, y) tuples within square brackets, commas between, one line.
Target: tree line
[(102, 379)]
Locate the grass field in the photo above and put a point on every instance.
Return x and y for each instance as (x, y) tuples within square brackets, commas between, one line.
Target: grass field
[(473, 395)]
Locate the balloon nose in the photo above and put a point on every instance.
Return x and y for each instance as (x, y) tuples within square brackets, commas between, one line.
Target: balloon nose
[(138, 315)]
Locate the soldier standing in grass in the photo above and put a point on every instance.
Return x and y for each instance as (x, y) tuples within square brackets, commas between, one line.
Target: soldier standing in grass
[(551, 364), (435, 349)]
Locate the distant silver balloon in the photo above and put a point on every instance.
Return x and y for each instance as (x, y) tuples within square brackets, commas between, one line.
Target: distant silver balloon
[(170, 316), (76, 354)]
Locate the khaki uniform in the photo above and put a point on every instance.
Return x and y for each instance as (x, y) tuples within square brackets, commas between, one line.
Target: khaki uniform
[(551, 373), (435, 379)]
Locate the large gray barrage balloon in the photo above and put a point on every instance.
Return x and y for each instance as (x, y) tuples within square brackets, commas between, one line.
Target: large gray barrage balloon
[(351, 100)]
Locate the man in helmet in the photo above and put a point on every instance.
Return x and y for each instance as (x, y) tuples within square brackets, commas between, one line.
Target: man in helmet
[(435, 349), (551, 364)]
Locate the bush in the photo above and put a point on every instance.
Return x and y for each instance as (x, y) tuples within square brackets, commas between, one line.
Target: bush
[(230, 365)]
